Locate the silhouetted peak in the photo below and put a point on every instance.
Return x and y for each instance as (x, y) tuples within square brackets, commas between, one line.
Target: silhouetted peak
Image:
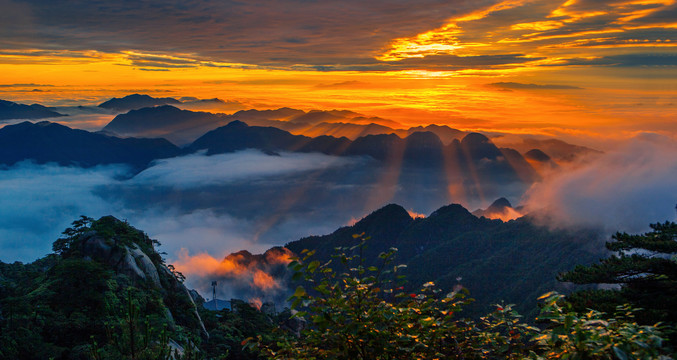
[(12, 110), (479, 146), (474, 139), (452, 210), (389, 214), (41, 124), (237, 124), (500, 203), (137, 97), (425, 138), (136, 101), (379, 137), (162, 109), (537, 155)]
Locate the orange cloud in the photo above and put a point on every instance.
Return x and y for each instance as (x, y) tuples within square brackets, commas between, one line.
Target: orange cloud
[(415, 215), (264, 281), (242, 267)]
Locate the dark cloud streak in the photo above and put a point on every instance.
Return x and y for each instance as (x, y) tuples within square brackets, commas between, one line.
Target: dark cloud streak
[(520, 86), (251, 32)]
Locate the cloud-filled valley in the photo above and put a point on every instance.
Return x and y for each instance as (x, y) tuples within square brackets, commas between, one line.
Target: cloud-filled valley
[(151, 149), (624, 189), (250, 200), (254, 187)]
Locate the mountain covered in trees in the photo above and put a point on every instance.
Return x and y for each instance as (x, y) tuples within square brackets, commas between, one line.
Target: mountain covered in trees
[(104, 292), (512, 261)]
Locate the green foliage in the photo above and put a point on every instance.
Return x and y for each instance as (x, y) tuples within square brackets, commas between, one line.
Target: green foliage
[(67, 243), (229, 328), (515, 261), (71, 306), (592, 335), (177, 274), (644, 267), (355, 311)]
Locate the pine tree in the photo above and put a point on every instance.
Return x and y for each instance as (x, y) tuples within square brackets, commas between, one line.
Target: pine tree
[(644, 270)]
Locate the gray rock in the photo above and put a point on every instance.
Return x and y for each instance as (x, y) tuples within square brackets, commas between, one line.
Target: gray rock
[(146, 265)]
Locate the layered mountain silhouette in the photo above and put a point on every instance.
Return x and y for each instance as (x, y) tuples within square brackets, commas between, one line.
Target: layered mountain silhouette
[(556, 150), (496, 261), (475, 162), (338, 123), (500, 209), (12, 110), (540, 160), (136, 101), (180, 127), (474, 159), (46, 142)]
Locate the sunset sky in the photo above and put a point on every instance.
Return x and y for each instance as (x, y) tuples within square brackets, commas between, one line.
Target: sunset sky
[(585, 68)]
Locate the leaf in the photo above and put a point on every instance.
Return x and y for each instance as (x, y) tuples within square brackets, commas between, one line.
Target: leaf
[(546, 295), (620, 353), (300, 291), (299, 314)]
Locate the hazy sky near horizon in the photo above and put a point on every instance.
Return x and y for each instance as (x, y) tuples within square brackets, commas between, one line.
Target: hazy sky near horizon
[(581, 67)]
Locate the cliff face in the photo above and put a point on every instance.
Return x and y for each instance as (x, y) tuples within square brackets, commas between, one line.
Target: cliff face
[(132, 257)]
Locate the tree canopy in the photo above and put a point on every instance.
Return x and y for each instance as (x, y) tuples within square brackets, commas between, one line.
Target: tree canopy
[(642, 272)]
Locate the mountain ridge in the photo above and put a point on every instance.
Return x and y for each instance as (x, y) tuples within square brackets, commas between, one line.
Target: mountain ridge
[(453, 246), (11, 110), (45, 142)]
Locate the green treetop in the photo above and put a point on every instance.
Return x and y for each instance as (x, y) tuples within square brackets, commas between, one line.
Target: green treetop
[(644, 270)]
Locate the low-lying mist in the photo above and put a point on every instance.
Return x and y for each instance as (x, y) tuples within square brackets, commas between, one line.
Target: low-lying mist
[(624, 189), (202, 208)]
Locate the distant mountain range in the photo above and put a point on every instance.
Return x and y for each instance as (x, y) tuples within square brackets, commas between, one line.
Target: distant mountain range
[(432, 152), (169, 122), (183, 126), (514, 261), (152, 117), (474, 161), (136, 101), (11, 110), (45, 142)]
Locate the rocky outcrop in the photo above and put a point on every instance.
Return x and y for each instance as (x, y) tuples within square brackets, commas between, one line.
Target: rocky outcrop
[(129, 252), (124, 259)]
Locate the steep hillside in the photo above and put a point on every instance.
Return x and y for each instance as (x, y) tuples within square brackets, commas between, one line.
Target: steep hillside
[(103, 276), (512, 261)]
